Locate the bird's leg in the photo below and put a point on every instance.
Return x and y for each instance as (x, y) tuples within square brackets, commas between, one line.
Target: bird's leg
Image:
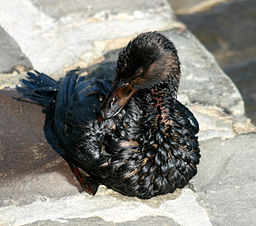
[(87, 183)]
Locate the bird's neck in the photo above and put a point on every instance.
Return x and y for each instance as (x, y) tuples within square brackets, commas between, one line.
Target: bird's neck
[(162, 97), (156, 103)]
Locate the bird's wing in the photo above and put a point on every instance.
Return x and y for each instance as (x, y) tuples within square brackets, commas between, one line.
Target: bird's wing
[(75, 121), (75, 125), (187, 114)]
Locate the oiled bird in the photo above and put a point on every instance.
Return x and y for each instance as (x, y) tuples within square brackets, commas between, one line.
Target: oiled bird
[(130, 134)]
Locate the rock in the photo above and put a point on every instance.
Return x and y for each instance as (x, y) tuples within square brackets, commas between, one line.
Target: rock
[(213, 123), (227, 29), (184, 5), (226, 181), (58, 9), (151, 221), (59, 35), (12, 58), (111, 207), (244, 77), (203, 82), (25, 155)]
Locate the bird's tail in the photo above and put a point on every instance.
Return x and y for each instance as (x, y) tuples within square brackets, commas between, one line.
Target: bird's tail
[(39, 88)]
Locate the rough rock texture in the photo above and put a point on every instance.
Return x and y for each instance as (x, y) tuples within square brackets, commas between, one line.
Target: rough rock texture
[(227, 29), (229, 24), (43, 28), (244, 76), (12, 57), (37, 186), (184, 5), (226, 182), (150, 221)]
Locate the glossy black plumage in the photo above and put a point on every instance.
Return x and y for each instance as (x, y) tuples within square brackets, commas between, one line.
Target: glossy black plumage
[(132, 134)]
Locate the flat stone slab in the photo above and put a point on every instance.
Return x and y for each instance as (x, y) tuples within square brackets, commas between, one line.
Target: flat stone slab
[(202, 81), (227, 29), (181, 207), (226, 181), (86, 8), (12, 58), (244, 77), (25, 155), (150, 221), (56, 34), (224, 195)]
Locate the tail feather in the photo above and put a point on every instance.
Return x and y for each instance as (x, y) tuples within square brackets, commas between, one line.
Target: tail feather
[(39, 88)]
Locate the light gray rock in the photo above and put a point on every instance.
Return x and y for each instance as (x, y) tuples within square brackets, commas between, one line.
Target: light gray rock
[(226, 180), (244, 76), (87, 8), (203, 82), (180, 206), (11, 56), (227, 29), (183, 5), (54, 42), (150, 221), (213, 123)]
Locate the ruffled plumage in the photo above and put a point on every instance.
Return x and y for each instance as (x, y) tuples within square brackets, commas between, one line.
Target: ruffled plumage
[(130, 134)]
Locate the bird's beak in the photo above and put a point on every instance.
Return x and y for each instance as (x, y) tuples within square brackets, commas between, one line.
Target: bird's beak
[(115, 101)]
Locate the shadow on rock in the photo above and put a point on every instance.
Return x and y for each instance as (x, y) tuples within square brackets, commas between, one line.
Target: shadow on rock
[(23, 147)]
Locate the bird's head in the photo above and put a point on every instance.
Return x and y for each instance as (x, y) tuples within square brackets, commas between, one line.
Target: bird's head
[(147, 60)]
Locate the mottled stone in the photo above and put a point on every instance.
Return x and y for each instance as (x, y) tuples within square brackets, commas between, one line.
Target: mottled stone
[(29, 168), (150, 221), (183, 5), (56, 35), (110, 206), (11, 56), (87, 8), (226, 180), (227, 29), (213, 123), (244, 76), (203, 82)]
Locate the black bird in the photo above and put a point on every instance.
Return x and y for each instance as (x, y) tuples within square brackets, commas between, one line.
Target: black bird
[(131, 134)]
